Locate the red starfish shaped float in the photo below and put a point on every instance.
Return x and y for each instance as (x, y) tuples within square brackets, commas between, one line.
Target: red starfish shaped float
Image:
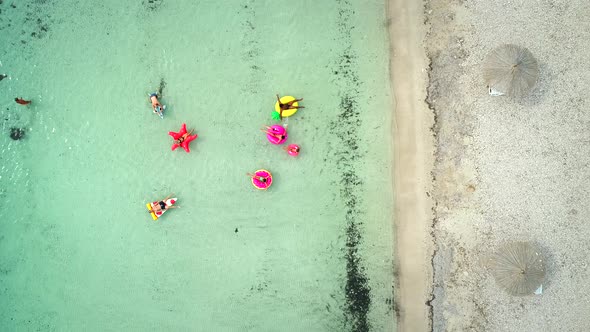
[(182, 138)]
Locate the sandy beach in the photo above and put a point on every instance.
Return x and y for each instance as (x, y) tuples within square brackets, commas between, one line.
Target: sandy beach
[(504, 169), (413, 152)]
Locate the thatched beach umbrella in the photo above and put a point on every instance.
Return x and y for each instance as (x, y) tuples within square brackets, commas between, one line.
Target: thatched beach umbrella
[(518, 268), (510, 70)]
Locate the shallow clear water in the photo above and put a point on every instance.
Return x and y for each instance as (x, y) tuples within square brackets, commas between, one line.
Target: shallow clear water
[(78, 249)]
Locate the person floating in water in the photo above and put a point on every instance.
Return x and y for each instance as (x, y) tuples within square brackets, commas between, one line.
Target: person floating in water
[(288, 106), (270, 131), (158, 108), (292, 149), (161, 206), (257, 177), (22, 101), (183, 137)]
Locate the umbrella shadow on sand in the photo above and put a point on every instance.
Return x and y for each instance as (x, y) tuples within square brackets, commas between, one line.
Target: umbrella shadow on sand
[(545, 84)]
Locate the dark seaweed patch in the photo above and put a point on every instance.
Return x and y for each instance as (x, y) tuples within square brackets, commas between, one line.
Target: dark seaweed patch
[(152, 4), (17, 133), (357, 290), (358, 293), (161, 87), (347, 155), (37, 22), (251, 47)]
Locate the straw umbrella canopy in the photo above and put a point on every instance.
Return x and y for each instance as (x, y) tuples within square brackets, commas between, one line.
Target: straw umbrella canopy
[(518, 268), (511, 70)]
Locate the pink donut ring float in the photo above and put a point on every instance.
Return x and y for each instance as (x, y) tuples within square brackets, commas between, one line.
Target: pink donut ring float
[(292, 150), (276, 134), (262, 179), (182, 138)]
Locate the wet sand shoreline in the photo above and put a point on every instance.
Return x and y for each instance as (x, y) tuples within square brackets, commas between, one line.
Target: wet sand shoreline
[(413, 158)]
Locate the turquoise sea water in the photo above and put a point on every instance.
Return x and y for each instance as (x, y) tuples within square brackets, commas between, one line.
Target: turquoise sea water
[(78, 250)]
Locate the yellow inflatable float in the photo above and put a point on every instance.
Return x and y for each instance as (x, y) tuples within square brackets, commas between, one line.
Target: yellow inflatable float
[(286, 113)]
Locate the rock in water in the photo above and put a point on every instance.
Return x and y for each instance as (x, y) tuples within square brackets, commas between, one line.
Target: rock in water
[(17, 133)]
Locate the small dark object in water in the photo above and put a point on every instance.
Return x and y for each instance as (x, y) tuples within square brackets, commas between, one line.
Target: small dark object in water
[(236, 230), (22, 101), (3, 76), (17, 133), (161, 87)]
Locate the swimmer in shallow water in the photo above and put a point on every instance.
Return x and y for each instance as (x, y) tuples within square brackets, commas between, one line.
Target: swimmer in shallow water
[(156, 103)]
